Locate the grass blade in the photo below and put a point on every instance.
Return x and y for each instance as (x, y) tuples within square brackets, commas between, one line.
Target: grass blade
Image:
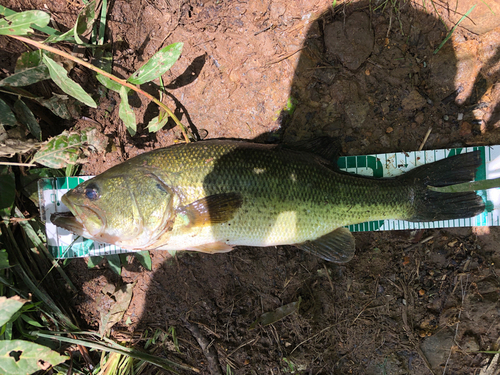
[(116, 348), (453, 29)]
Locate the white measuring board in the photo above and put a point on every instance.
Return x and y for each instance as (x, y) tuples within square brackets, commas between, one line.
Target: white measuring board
[(64, 244)]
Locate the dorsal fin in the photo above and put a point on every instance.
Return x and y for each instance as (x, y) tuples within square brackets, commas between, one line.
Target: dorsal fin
[(326, 147)]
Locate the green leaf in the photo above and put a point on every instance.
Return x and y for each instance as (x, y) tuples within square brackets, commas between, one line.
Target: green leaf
[(64, 149), (115, 263), (9, 307), (144, 258), (70, 87), (84, 21), (26, 117), (26, 77), (19, 23), (19, 357), (4, 260), (157, 65), (28, 60), (7, 191), (126, 113), (61, 105), (30, 321), (6, 116), (94, 261), (45, 29), (157, 124), (109, 83)]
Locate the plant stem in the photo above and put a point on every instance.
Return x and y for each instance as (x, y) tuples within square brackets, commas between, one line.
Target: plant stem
[(108, 75)]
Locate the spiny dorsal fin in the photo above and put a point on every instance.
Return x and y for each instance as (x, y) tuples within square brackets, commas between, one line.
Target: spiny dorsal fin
[(214, 209), (326, 147), (337, 246)]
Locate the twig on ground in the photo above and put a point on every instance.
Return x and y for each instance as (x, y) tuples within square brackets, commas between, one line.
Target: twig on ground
[(425, 139), (206, 347)]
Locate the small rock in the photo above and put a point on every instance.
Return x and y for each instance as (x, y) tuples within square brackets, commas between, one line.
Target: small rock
[(465, 129), (419, 118), (389, 130), (470, 344), (351, 43), (413, 101), (437, 347)]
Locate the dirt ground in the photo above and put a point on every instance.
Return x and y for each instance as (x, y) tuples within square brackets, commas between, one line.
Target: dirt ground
[(409, 302)]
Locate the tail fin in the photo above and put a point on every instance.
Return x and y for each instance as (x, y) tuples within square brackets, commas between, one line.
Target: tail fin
[(431, 205)]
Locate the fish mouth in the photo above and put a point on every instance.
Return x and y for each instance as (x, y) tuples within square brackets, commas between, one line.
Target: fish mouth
[(81, 219), (68, 221)]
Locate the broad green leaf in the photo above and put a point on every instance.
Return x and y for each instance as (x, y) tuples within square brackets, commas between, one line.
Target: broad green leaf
[(6, 116), (70, 87), (26, 117), (19, 23), (109, 83), (61, 105), (28, 60), (126, 113), (144, 258), (9, 307), (7, 191), (4, 260), (157, 65), (115, 263), (85, 17), (94, 261), (64, 149), (156, 124), (84, 21), (26, 77), (45, 29), (19, 357)]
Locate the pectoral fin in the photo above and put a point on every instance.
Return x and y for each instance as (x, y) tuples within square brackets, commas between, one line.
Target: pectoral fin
[(214, 209), (337, 246)]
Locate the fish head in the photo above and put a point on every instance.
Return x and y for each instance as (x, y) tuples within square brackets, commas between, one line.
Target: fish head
[(131, 210)]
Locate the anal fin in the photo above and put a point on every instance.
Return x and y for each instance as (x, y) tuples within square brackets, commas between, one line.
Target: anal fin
[(337, 246), (212, 248)]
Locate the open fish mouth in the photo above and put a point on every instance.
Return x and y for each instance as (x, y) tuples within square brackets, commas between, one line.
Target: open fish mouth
[(68, 221)]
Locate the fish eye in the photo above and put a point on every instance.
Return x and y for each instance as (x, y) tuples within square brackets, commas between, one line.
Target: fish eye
[(92, 192)]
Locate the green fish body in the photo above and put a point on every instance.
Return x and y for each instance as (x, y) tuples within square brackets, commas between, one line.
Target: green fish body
[(211, 196)]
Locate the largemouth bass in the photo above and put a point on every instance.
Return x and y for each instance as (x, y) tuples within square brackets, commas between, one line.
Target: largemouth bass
[(214, 195)]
